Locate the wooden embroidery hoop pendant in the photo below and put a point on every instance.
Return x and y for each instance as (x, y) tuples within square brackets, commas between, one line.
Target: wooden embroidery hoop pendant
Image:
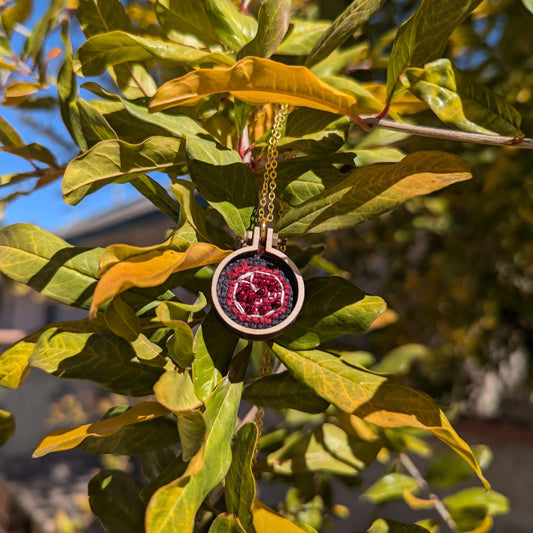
[(261, 242)]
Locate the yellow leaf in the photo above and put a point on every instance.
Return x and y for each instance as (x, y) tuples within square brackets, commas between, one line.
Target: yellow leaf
[(404, 104), (266, 520), (66, 439), (256, 81), (152, 269), (417, 503)]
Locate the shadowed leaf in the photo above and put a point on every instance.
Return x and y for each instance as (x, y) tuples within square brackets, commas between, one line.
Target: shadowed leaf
[(386, 402), (423, 37), (66, 439), (7, 426), (48, 264), (371, 191)]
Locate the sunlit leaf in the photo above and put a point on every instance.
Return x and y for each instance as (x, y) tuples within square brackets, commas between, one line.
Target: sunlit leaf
[(266, 520), (176, 392), (344, 26), (9, 135), (114, 499), (114, 48), (371, 191), (301, 37), (400, 360), (173, 507), (14, 362), (185, 22), (226, 523), (528, 4), (48, 264), (332, 307), (461, 102), (158, 195), (232, 27), (256, 81), (273, 22), (103, 16), (392, 526), (495, 502), (423, 37), (327, 448), (115, 161), (153, 269), (7, 426), (15, 93), (390, 487), (386, 402), (16, 13), (87, 350), (66, 439)]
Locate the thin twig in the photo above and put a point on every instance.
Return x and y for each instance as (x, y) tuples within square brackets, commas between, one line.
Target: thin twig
[(452, 135), (423, 484)]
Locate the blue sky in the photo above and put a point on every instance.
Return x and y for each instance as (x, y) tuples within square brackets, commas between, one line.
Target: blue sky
[(45, 207)]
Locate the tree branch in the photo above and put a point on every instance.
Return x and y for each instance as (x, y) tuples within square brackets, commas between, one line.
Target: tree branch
[(441, 133), (422, 483)]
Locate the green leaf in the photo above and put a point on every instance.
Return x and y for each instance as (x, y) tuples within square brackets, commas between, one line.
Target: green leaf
[(327, 448), (7, 426), (115, 161), (185, 22), (123, 322), (173, 507), (155, 461), (282, 391), (461, 102), (133, 439), (400, 360), (493, 501), (392, 526), (9, 135), (273, 23), (14, 362), (380, 400), (158, 195), (103, 16), (224, 181), (390, 487), (66, 439), (423, 37), (16, 13), (226, 523), (195, 215), (449, 469), (528, 4), (192, 430), (48, 264), (240, 481), (232, 27), (176, 392), (371, 191), (172, 471), (114, 499), (87, 350), (343, 27), (180, 344), (214, 346), (301, 37), (332, 307), (89, 126), (32, 152), (114, 48)]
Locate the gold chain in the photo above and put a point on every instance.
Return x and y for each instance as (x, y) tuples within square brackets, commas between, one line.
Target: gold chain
[(268, 193)]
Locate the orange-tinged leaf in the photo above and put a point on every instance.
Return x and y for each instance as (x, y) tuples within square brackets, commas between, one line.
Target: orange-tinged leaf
[(266, 520), (153, 269), (376, 398), (403, 104), (256, 81), (66, 439)]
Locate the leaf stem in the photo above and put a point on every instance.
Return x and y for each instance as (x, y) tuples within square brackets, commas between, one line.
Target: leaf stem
[(452, 135), (423, 484)]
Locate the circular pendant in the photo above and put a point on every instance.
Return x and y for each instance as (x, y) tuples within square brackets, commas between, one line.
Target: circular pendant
[(257, 291)]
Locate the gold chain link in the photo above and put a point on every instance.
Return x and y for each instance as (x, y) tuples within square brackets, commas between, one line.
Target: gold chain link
[(268, 193)]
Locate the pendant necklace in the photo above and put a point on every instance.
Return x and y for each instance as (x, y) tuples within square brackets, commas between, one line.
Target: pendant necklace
[(257, 291)]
